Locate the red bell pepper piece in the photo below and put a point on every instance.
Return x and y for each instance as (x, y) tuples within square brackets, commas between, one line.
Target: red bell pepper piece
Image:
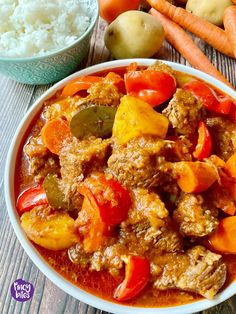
[(152, 86), (137, 272), (232, 112), (204, 145), (31, 197), (79, 84), (110, 198), (208, 98)]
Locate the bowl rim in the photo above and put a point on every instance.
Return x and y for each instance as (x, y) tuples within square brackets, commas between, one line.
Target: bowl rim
[(56, 52), (46, 269)]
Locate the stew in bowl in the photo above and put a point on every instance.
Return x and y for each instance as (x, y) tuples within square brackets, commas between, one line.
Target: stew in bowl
[(126, 185)]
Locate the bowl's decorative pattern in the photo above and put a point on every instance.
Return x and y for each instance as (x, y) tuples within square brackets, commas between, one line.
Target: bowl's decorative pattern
[(55, 66)]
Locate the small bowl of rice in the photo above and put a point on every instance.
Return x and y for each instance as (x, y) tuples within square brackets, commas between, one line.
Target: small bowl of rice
[(42, 41)]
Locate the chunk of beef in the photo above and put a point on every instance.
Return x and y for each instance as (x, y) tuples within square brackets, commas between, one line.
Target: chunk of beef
[(103, 94), (61, 108), (78, 159), (194, 217), (41, 161), (142, 237), (222, 193), (198, 270), (162, 67), (146, 205), (109, 258), (183, 112), (223, 133), (141, 163), (183, 149)]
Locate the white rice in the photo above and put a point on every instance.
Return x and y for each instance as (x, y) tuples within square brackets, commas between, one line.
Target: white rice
[(35, 27)]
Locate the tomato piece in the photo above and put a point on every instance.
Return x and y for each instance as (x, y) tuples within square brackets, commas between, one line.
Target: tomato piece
[(31, 197), (154, 87), (110, 198), (204, 145), (81, 83), (207, 96), (110, 9), (137, 272)]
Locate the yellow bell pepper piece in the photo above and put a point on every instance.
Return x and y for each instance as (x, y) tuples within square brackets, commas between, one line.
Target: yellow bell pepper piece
[(135, 117)]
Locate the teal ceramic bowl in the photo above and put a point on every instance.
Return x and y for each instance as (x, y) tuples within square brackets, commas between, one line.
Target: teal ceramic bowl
[(56, 65)]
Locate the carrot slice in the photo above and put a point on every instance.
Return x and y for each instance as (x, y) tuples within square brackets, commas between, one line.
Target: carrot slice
[(213, 35), (54, 133), (91, 228), (194, 177), (223, 239), (183, 43), (230, 166), (230, 25), (81, 83)]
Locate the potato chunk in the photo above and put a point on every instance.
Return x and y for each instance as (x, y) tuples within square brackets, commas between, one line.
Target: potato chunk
[(51, 230), (135, 118)]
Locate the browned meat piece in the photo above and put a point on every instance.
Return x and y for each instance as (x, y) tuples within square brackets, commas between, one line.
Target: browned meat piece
[(183, 112), (104, 94), (223, 133), (183, 149), (198, 270), (142, 237), (35, 147), (162, 67), (141, 163), (146, 205), (194, 217), (78, 159), (101, 94), (109, 258), (62, 108), (41, 161)]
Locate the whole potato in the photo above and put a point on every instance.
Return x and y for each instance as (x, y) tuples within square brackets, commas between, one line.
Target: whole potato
[(134, 34), (210, 10)]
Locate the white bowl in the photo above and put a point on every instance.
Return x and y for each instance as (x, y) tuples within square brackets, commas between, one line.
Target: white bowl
[(49, 272)]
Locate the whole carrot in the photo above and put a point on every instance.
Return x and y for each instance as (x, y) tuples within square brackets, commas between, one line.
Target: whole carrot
[(230, 25), (210, 33), (182, 42)]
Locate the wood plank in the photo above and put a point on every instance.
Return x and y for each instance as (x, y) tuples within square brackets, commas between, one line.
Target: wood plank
[(15, 99)]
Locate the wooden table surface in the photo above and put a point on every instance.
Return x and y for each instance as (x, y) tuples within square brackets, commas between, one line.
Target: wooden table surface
[(15, 100)]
